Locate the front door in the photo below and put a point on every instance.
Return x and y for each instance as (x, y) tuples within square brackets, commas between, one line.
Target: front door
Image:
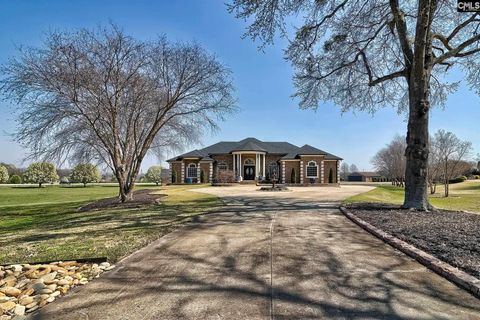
[(248, 172)]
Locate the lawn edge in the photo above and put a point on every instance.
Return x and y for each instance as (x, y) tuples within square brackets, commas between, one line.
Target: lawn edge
[(447, 271)]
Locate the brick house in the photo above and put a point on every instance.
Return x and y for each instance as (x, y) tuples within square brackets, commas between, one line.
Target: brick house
[(254, 160)]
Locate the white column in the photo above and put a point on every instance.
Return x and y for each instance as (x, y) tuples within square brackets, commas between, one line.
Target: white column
[(263, 165), (257, 165), (199, 170), (301, 171), (240, 166), (283, 171), (234, 167), (210, 173), (338, 171), (322, 168), (183, 173)]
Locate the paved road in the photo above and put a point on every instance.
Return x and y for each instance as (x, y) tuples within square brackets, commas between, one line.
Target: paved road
[(268, 256)]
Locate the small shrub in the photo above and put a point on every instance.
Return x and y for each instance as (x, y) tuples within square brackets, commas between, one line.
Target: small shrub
[(202, 176), (225, 176), (458, 179), (293, 178), (174, 176), (15, 179)]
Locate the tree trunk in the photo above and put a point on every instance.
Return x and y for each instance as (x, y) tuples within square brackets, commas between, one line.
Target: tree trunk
[(416, 195), (126, 190), (40, 185), (416, 184), (419, 72)]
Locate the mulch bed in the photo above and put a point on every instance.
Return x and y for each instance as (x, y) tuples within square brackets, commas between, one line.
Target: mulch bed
[(140, 199), (451, 236)]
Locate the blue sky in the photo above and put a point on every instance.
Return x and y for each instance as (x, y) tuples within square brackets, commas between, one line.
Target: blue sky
[(262, 79)]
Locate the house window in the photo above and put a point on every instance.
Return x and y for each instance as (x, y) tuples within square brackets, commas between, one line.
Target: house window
[(312, 170), (273, 170), (192, 170), (249, 162), (222, 166)]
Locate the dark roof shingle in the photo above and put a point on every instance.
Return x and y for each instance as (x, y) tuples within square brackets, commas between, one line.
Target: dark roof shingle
[(287, 149)]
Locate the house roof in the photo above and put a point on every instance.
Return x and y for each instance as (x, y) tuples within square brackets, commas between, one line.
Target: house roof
[(288, 150), (249, 146), (365, 174), (309, 150)]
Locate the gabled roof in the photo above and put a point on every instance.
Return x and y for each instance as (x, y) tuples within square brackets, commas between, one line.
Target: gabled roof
[(193, 154), (249, 146), (288, 150), (309, 150)]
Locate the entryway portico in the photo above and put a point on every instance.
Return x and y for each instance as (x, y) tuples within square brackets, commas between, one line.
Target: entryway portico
[(249, 165)]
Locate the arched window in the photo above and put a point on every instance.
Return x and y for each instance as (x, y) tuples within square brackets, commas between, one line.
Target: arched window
[(273, 169), (249, 162), (312, 169), (222, 166), (192, 170)]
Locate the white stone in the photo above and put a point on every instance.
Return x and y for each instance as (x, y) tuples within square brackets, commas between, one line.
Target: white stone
[(19, 310)]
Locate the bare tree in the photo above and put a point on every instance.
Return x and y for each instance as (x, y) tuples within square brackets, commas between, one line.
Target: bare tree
[(452, 153), (102, 95), (353, 168), (344, 171), (368, 54), (390, 161), (434, 174)]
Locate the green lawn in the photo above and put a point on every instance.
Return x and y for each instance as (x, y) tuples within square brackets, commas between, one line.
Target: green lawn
[(41, 224), (463, 196)]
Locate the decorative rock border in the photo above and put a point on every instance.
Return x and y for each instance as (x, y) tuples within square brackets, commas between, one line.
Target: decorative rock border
[(455, 275), (25, 288)]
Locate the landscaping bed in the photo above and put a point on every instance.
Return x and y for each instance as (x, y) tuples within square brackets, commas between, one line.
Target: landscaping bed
[(140, 198), (451, 236), (24, 288)]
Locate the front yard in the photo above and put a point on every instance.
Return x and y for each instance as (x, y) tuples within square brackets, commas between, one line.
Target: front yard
[(463, 196), (449, 233), (42, 224)]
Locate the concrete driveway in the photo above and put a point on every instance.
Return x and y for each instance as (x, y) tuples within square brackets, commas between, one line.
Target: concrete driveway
[(285, 255)]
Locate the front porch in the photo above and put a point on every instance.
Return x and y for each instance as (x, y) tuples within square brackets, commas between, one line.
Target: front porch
[(249, 166)]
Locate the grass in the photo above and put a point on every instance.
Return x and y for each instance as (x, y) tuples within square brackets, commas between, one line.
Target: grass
[(463, 196), (42, 224)]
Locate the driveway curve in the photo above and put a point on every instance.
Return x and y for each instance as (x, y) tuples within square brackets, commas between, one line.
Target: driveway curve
[(288, 255)]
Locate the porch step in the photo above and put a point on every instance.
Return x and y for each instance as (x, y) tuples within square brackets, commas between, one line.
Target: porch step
[(248, 182)]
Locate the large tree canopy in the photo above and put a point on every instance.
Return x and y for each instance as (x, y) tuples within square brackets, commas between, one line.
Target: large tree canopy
[(367, 54), (102, 95)]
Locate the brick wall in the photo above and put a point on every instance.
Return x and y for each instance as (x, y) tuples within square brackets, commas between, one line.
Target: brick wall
[(177, 167), (289, 165), (330, 165)]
